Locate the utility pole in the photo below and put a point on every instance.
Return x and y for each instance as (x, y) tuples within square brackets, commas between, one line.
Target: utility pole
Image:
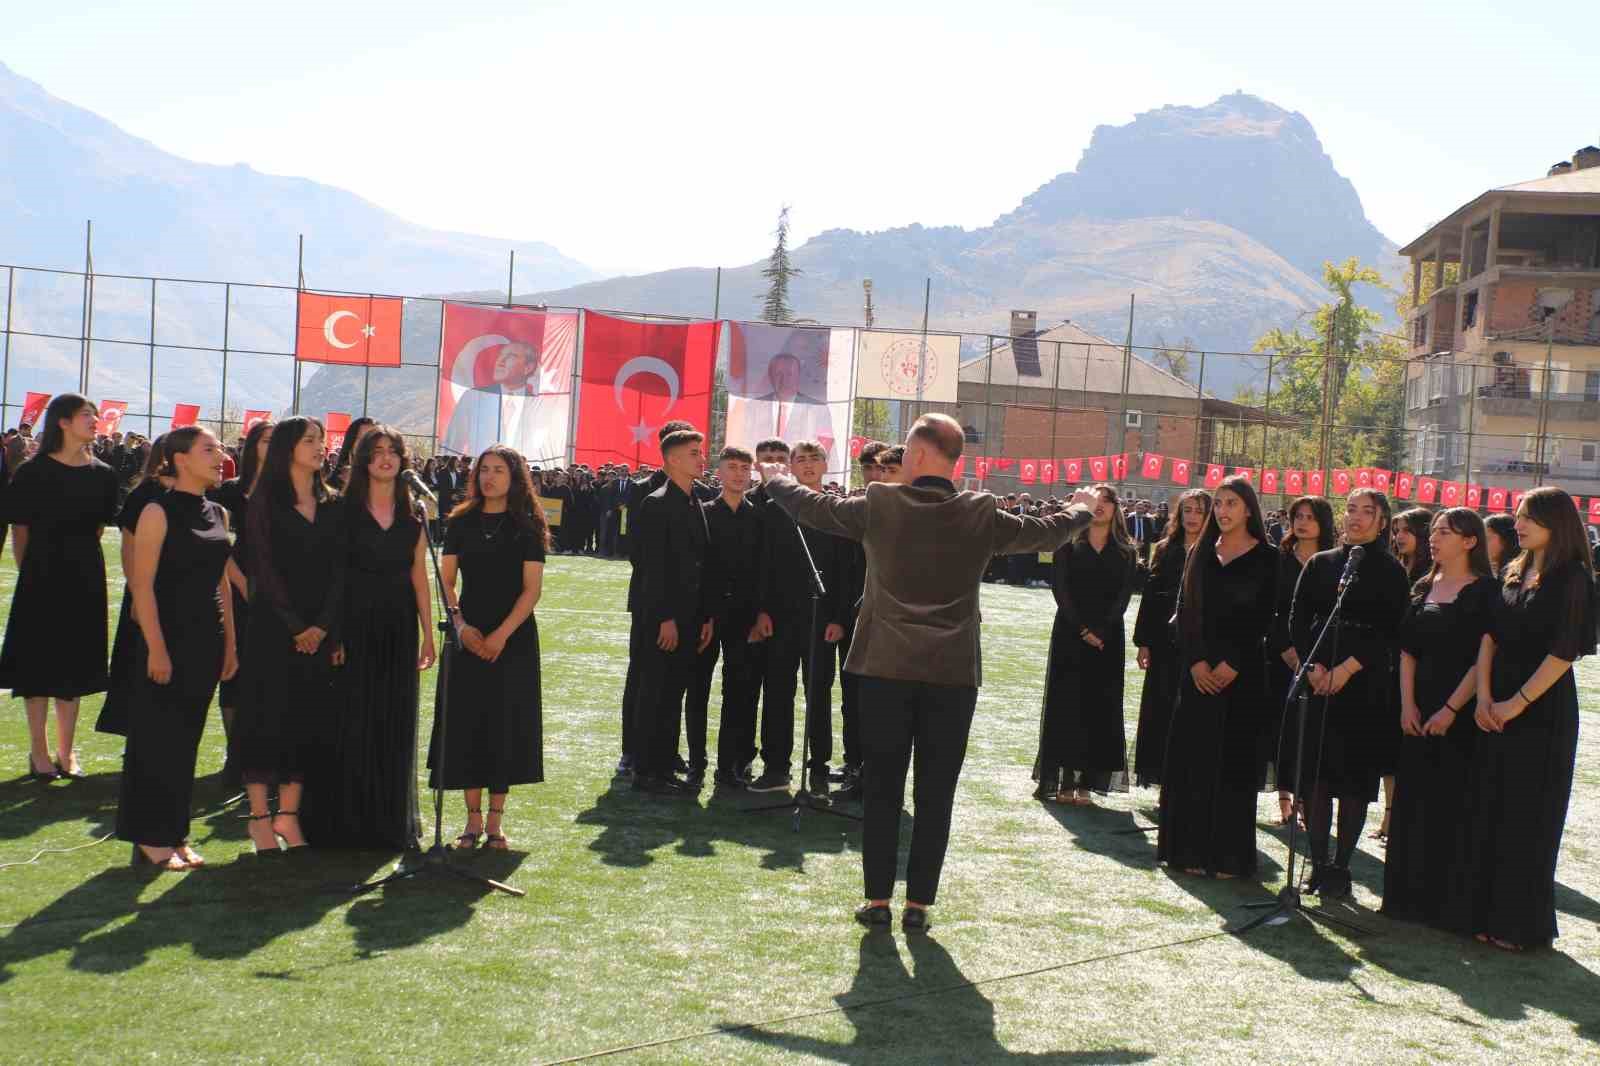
[(866, 287)]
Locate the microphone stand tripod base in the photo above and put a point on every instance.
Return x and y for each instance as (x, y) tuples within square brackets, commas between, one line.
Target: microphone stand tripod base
[(1286, 906), (435, 861)]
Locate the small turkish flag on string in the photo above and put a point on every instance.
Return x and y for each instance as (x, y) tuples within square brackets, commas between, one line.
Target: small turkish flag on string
[(1363, 477), (961, 464), (1074, 471), (336, 425), (1002, 464), (1119, 467), (185, 414), (1294, 482), (1474, 496), (33, 405), (354, 330), (1047, 471), (1450, 494), (1214, 475), (1497, 500), (1427, 489), (856, 444), (1245, 472), (1030, 472), (1099, 467), (1381, 479), (1594, 510), (1180, 471), (1315, 482), (251, 417), (980, 467), (1152, 465), (1516, 497), (1269, 482), (1403, 483), (110, 420), (1341, 482)]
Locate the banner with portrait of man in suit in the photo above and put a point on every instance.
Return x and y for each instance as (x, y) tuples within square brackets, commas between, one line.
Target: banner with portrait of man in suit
[(793, 383)]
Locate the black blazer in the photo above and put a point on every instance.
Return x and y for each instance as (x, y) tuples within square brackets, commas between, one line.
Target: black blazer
[(671, 539)]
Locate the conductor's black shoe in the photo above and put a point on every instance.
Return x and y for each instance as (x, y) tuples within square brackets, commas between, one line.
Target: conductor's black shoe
[(818, 785), (841, 774), (771, 781), (915, 920), (878, 917)]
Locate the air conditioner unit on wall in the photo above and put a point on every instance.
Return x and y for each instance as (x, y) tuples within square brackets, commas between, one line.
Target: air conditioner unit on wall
[(1502, 358), (1133, 420)]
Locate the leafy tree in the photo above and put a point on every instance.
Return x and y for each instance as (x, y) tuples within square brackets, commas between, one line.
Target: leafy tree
[(779, 269), (1174, 360)]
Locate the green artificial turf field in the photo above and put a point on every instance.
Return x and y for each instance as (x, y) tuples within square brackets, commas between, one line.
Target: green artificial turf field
[(1057, 938)]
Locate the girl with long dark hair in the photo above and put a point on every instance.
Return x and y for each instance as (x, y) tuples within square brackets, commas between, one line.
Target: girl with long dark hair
[(496, 542), (1344, 747), (366, 793), (127, 665), (339, 478), (234, 494), (1501, 531), (1082, 733), (55, 642), (1451, 608), (1527, 717), (1215, 763), (186, 643), (297, 573), (1311, 530), (1156, 653)]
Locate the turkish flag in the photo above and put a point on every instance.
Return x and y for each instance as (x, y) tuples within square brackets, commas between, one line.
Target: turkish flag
[(980, 468), (1180, 471), (33, 405), (1002, 464), (1381, 479), (961, 464), (1214, 475), (111, 412), (856, 444), (1294, 482), (251, 417), (1245, 472), (1074, 471), (1594, 510), (1269, 482), (1119, 467), (1315, 482), (637, 376), (1341, 482), (353, 330), (1152, 465), (1450, 494), (1364, 477), (1030, 471), (1516, 498), (1099, 467), (1047, 471), (184, 414), (1427, 489), (1402, 485), (505, 377), (334, 427), (1474, 496), (1497, 500)]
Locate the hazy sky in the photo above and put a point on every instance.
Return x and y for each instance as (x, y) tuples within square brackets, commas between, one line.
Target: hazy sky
[(647, 135)]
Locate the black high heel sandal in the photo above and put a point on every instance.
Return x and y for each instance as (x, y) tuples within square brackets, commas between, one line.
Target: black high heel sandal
[(261, 852), (71, 775), (496, 841), (471, 839), (42, 775), (286, 845)]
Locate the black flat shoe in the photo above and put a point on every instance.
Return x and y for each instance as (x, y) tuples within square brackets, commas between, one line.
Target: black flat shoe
[(915, 920), (874, 917)]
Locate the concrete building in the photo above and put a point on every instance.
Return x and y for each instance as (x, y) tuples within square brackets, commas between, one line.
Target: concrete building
[(1503, 386)]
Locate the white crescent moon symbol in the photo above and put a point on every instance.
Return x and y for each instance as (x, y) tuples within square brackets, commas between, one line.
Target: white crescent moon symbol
[(327, 329), (466, 361), (647, 364)]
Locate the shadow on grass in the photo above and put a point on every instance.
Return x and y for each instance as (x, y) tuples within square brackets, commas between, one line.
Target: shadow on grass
[(27, 806), (1107, 831), (928, 1013)]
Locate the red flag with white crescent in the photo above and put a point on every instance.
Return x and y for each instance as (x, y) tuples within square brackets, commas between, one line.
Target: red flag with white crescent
[(1180, 471), (1047, 471), (1381, 479), (980, 468), (1294, 482), (1030, 471), (251, 417), (857, 443), (1341, 482), (1316, 480), (1427, 489), (185, 414), (1363, 477), (1450, 494), (1404, 482), (1074, 471), (33, 405), (1001, 463), (1152, 465), (1119, 467), (110, 420), (352, 330), (1215, 472), (1474, 496), (334, 427), (1516, 498), (1099, 467), (505, 377), (1245, 472), (1497, 500), (637, 376), (1269, 482), (1594, 510)]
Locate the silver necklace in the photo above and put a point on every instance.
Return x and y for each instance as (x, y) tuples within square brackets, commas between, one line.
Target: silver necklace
[(489, 534)]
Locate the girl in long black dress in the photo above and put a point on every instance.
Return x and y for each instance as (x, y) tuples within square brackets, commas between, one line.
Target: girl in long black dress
[(1344, 747), (186, 644), (1408, 542), (1501, 530), (297, 568), (234, 495), (366, 792), (127, 662), (496, 542), (55, 640), (1450, 611), (1082, 734), (1156, 653), (1527, 716), (1311, 530), (1215, 761)]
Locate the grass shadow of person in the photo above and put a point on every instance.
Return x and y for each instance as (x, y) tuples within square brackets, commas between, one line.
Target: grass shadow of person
[(28, 806), (74, 916), (414, 910), (929, 1013), (1106, 831)]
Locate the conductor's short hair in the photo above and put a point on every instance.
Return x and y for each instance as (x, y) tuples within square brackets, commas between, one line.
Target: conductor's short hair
[(941, 433)]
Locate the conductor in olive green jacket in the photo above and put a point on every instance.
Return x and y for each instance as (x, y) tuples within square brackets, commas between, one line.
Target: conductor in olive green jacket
[(916, 647)]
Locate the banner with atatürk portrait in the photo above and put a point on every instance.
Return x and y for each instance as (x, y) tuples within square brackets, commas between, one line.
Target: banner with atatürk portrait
[(791, 383)]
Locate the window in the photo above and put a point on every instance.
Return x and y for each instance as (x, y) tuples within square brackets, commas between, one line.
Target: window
[(1588, 452), (1591, 384), (1471, 309), (1133, 419)]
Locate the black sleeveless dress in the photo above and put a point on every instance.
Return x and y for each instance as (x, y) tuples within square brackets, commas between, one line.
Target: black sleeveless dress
[(165, 722), (1160, 694)]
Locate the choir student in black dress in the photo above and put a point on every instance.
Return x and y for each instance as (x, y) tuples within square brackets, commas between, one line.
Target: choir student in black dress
[(234, 495), (1310, 531), (1082, 735), (1527, 717), (365, 793), (185, 645), (1408, 542), (55, 641), (496, 543), (1215, 762), (1451, 609), (1344, 747), (1501, 530), (1157, 655), (127, 662), (295, 531)]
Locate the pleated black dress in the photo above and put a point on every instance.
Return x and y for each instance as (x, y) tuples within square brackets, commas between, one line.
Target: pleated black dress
[(1361, 722), (1522, 777), (1082, 735), (1215, 761), (127, 668), (1279, 733), (1429, 825), (365, 794), (287, 701), (55, 642), (1151, 630), (232, 497), (496, 728), (165, 722)]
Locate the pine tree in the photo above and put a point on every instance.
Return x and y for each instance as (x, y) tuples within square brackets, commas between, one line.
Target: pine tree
[(775, 305)]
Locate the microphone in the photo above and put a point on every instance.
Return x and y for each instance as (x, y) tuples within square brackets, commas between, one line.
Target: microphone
[(1352, 561), (410, 477)]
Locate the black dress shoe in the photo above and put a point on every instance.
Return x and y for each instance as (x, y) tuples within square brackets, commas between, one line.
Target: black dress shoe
[(42, 775), (915, 920), (730, 782), (71, 775), (658, 786), (1336, 883), (878, 917)]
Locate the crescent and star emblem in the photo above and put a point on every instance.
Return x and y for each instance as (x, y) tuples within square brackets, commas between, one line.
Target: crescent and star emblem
[(329, 323), (646, 364)]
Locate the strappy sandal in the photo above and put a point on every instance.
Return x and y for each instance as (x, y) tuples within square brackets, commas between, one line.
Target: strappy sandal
[(192, 858), (260, 851), (496, 841), (286, 845), (1382, 832), (466, 841)]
